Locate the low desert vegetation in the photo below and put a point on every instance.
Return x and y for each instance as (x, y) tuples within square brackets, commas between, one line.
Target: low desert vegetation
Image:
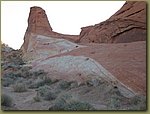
[(18, 79), (6, 100), (64, 85), (46, 93), (138, 102), (40, 81), (116, 101), (68, 102), (19, 87)]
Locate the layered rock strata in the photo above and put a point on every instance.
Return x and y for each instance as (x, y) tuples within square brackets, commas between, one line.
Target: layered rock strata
[(126, 25)]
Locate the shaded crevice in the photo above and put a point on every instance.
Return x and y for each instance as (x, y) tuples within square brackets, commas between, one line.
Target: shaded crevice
[(134, 13), (123, 11), (126, 31)]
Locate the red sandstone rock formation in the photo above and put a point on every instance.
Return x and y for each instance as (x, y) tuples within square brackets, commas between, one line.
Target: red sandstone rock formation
[(125, 61), (38, 24), (38, 21), (126, 25)]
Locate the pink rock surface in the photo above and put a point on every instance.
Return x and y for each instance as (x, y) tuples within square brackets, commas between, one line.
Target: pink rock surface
[(38, 21), (126, 61)]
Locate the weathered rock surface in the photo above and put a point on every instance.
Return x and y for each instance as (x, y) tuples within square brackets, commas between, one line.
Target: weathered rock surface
[(80, 69), (38, 21), (126, 25), (40, 46), (124, 61)]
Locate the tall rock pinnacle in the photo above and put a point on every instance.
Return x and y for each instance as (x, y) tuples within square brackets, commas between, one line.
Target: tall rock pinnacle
[(39, 34), (38, 22)]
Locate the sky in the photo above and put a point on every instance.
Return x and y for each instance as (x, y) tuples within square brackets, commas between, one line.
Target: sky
[(65, 17)]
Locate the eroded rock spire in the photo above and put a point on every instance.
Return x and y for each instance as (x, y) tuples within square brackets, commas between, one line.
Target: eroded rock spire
[(38, 22)]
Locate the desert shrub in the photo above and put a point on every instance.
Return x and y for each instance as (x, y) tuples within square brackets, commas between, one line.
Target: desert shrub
[(11, 55), (9, 75), (25, 72), (47, 80), (138, 99), (19, 87), (29, 82), (11, 78), (67, 102), (37, 98), (46, 93), (61, 102), (49, 95), (37, 83), (6, 100), (115, 99), (115, 103), (64, 85), (18, 60), (41, 82), (20, 80), (77, 105), (6, 66), (8, 79), (39, 73), (138, 102), (6, 82)]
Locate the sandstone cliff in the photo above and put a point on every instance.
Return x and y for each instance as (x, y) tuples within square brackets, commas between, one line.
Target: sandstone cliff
[(126, 25)]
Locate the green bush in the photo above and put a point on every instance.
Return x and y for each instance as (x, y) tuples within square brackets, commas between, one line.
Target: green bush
[(6, 82), (6, 100), (11, 78), (47, 80), (9, 75), (61, 102), (46, 93), (20, 87), (138, 102), (40, 82), (49, 96), (39, 73), (64, 85), (77, 105), (67, 102), (116, 101), (37, 83), (114, 104)]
